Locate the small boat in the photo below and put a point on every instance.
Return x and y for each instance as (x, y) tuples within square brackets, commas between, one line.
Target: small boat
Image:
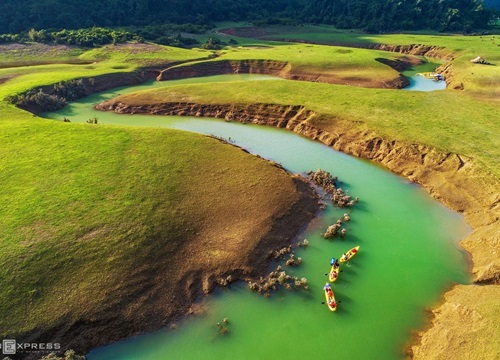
[(334, 271), (349, 255), (432, 75), (330, 298)]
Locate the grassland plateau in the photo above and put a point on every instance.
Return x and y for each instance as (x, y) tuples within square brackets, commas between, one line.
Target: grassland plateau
[(134, 210)]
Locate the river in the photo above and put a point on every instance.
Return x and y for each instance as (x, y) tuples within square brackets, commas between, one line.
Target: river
[(408, 257), (420, 83)]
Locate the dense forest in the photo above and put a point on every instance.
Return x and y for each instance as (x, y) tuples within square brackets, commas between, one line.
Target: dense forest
[(369, 15), (495, 4)]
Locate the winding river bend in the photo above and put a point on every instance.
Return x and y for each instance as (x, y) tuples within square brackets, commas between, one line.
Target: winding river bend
[(408, 258)]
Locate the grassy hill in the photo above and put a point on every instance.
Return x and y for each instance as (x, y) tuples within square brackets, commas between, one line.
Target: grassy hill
[(98, 220), (95, 216)]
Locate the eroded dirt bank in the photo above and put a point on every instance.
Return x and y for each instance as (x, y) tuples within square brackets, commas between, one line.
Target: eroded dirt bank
[(452, 179), (283, 70), (164, 289)]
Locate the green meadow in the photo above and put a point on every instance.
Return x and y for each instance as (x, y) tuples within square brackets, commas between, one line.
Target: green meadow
[(88, 202), (102, 204), (447, 120), (480, 79), (315, 59)]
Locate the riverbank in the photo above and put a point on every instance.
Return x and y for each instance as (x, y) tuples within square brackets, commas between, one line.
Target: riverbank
[(452, 179), (147, 220), (168, 286)]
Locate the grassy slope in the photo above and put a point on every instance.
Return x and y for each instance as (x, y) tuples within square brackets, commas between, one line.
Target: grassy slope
[(482, 80), (108, 59), (447, 120), (464, 122), (100, 204), (82, 199), (29, 54), (321, 60)]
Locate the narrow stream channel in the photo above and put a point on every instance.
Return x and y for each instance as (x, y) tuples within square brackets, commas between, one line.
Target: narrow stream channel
[(421, 83), (408, 258)]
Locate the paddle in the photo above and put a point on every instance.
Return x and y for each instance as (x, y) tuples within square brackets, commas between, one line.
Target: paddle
[(323, 303), (339, 271)]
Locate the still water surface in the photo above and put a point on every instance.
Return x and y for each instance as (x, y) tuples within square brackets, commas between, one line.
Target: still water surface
[(420, 83), (408, 257)]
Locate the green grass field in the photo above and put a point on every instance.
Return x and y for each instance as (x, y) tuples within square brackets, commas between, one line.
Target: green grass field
[(88, 202), (314, 59), (447, 120), (483, 80), (88, 208)]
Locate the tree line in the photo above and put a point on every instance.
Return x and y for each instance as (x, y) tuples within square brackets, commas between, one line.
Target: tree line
[(369, 15), (98, 36)]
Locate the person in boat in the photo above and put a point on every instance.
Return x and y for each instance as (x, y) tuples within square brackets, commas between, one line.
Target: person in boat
[(328, 290), (335, 263), (334, 274), (344, 256), (332, 303)]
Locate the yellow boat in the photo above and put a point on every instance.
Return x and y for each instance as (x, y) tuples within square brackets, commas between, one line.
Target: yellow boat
[(349, 255), (330, 298), (334, 271)]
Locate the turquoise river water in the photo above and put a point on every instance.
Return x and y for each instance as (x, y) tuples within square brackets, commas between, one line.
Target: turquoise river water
[(408, 257), (420, 83)]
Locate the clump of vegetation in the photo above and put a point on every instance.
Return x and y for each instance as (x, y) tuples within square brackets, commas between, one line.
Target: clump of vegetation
[(292, 261), (89, 37), (57, 98), (326, 181), (280, 253), (303, 244), (73, 89), (323, 179), (223, 328), (225, 281), (333, 230), (10, 38), (68, 355), (275, 279), (98, 36), (175, 40), (213, 44), (92, 120), (47, 102)]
